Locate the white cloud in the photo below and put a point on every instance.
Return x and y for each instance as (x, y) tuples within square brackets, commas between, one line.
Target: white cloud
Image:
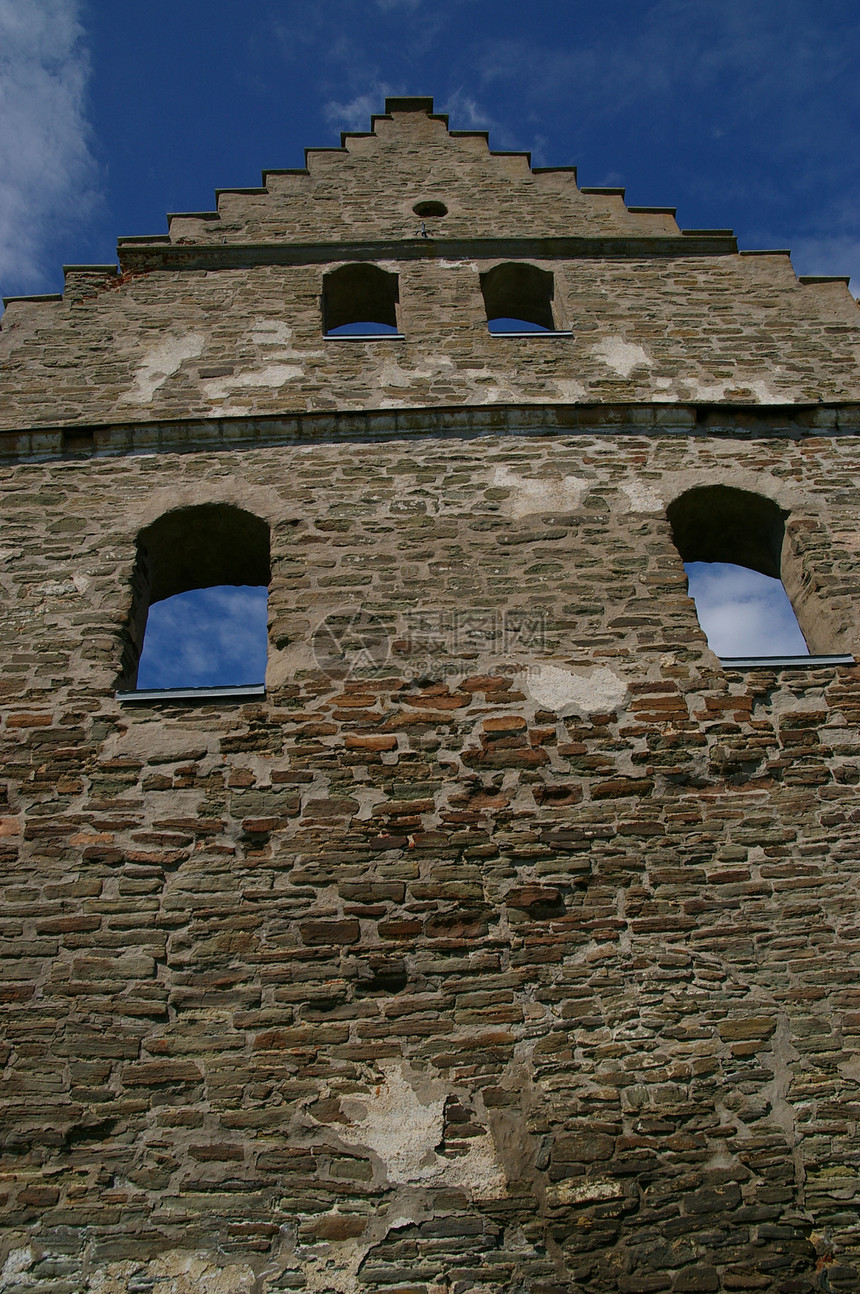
[(742, 612), (466, 112), (355, 114), (768, 51), (768, 79), (46, 168), (206, 638)]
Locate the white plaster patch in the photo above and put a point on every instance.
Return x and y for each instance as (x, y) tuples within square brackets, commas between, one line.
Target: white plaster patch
[(488, 395), (693, 390), (161, 362), (335, 1270), (272, 376), (530, 494), (392, 374), (569, 389), (643, 498), (560, 690), (403, 1131), (59, 589), (701, 391), (176, 1272), (397, 1126), (489, 382), (765, 393), (620, 355), (18, 1262), (567, 1192), (432, 365)]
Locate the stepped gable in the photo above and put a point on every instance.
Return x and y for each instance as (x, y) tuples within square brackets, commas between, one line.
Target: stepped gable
[(222, 317), (505, 937), (368, 188)]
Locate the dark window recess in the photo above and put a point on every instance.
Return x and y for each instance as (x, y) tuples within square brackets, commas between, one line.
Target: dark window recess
[(430, 210), (359, 300), (731, 542), (198, 606), (518, 298)]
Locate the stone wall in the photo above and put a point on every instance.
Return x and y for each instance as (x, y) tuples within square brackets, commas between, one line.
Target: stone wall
[(237, 342), (522, 957), (222, 317)]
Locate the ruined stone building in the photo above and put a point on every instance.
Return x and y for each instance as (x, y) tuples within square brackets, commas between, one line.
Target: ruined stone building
[(507, 939)]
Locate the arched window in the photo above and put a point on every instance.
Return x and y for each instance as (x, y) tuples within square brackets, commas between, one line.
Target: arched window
[(518, 298), (198, 616), (360, 301), (731, 542)]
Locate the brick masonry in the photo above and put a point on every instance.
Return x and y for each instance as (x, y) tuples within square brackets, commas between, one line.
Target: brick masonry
[(521, 957)]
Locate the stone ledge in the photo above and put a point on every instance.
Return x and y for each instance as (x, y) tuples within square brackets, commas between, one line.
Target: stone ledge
[(79, 441), (157, 252)]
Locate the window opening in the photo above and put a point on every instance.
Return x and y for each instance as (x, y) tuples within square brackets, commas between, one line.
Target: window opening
[(518, 298), (206, 638), (731, 544), (360, 301), (199, 604), (742, 612), (428, 210)]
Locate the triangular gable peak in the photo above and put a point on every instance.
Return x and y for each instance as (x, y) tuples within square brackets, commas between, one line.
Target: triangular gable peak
[(253, 337), (370, 187)]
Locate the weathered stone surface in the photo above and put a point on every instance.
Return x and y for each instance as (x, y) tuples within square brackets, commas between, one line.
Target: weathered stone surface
[(521, 953), (708, 325)]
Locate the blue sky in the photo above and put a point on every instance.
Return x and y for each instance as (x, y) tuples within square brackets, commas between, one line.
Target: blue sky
[(742, 612), (205, 638), (742, 113)]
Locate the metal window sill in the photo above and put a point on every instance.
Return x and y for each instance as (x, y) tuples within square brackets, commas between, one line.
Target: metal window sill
[(228, 692), (558, 332), (365, 336), (783, 662)]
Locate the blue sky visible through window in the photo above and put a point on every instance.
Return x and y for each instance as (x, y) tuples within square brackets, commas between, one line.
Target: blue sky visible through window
[(505, 324), (366, 329), (206, 638), (742, 612)]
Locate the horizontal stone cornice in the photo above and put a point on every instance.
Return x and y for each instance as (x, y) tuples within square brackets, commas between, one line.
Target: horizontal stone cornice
[(138, 254), (207, 435)]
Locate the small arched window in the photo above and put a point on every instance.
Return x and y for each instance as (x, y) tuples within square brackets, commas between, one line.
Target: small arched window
[(360, 301), (518, 298), (731, 542), (198, 616)]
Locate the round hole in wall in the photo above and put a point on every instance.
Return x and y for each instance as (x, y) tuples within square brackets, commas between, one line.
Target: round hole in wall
[(430, 209)]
